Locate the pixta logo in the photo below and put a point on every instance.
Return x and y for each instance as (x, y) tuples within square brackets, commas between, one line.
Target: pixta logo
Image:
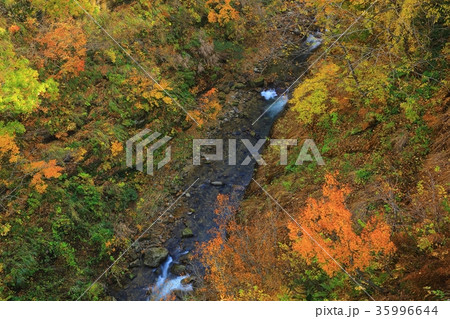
[(146, 140), (308, 148)]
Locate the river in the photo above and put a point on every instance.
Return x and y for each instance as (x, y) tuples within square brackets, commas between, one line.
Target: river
[(215, 177)]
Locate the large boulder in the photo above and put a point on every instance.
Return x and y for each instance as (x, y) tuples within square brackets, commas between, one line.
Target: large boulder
[(153, 257)]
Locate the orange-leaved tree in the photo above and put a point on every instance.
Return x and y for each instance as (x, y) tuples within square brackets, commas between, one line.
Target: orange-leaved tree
[(209, 107), (329, 222), (222, 11), (42, 169), (64, 49), (241, 259)]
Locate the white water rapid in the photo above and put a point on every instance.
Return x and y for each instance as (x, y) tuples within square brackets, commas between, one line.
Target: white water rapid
[(168, 283), (275, 108)]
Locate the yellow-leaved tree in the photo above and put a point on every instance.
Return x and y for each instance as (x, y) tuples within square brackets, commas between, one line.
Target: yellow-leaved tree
[(312, 97)]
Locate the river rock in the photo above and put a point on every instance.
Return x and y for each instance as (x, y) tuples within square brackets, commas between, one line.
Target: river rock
[(184, 259), (258, 82), (135, 252), (187, 232), (154, 256), (135, 263), (178, 269)]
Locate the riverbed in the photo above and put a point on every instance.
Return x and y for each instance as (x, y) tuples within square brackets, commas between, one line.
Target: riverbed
[(214, 178)]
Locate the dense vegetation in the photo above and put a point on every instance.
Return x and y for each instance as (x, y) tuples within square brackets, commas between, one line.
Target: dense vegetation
[(70, 97), (376, 103)]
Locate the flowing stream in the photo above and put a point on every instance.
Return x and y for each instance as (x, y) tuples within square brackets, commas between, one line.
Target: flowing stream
[(215, 177), (167, 283), (231, 180)]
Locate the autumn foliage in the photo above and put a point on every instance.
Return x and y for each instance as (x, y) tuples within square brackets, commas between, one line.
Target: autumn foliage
[(374, 97), (42, 169), (312, 97), (209, 107), (222, 11), (254, 260), (241, 260), (330, 224), (148, 95), (64, 49), (8, 148)]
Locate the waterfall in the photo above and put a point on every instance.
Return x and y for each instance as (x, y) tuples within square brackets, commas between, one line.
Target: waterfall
[(314, 41), (275, 108), (269, 94), (168, 283)]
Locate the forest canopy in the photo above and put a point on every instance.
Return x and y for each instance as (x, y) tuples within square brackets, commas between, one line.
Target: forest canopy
[(374, 98)]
